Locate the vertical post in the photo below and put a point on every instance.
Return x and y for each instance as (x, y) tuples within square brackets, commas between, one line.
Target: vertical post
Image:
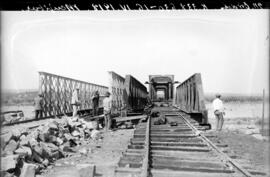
[(263, 113), (169, 91), (40, 91)]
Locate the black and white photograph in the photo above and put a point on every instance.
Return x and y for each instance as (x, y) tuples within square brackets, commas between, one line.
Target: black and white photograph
[(129, 93)]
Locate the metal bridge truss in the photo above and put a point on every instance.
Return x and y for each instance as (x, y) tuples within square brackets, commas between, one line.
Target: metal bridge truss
[(57, 93)]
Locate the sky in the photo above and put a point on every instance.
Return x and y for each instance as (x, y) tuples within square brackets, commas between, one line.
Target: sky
[(230, 48)]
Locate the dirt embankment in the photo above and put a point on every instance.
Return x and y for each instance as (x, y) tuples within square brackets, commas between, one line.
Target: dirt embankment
[(246, 149)]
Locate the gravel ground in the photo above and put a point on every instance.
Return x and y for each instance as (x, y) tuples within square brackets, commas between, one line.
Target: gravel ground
[(253, 152), (104, 153)]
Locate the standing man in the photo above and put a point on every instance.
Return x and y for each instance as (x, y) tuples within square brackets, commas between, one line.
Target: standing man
[(38, 106), (218, 111), (75, 101), (107, 106), (95, 103)]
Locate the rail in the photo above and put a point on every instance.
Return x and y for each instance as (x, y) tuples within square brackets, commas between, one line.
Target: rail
[(213, 146), (145, 165)]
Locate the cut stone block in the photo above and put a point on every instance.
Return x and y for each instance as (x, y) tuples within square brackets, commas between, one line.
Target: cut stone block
[(75, 133), (65, 172), (28, 170), (24, 151), (11, 146), (6, 138), (36, 157), (16, 133), (86, 170), (53, 125), (9, 162)]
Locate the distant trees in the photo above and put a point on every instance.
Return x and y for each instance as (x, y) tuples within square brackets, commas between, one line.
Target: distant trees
[(236, 98), (21, 98)]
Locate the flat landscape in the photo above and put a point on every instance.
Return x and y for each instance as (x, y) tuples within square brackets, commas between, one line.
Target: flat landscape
[(240, 107), (241, 132)]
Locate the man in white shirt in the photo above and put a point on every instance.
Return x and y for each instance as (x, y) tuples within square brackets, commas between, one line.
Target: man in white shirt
[(75, 101), (107, 106), (218, 111)]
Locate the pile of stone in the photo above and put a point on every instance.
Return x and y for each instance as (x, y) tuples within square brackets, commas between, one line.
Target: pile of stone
[(26, 152)]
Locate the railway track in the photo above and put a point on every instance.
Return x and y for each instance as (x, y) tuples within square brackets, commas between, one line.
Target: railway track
[(180, 150)]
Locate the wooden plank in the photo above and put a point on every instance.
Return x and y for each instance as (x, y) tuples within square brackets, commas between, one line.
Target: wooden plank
[(180, 148), (194, 155), (167, 136), (128, 170), (190, 168), (172, 173), (198, 144), (93, 118), (164, 139), (123, 119), (186, 157), (134, 114)]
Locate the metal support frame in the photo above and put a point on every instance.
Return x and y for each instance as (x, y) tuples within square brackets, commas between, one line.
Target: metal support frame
[(57, 93), (189, 97)]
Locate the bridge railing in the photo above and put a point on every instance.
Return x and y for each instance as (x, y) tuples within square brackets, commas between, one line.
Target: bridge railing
[(189, 97), (127, 94), (57, 93), (117, 90), (136, 94)]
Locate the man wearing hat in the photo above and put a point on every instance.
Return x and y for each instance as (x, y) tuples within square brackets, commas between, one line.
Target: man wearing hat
[(218, 111), (95, 103), (38, 101), (75, 101), (107, 106)]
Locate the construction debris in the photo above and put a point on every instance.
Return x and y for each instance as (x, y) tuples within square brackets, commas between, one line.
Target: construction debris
[(11, 117), (154, 114), (160, 120), (37, 149), (28, 170)]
